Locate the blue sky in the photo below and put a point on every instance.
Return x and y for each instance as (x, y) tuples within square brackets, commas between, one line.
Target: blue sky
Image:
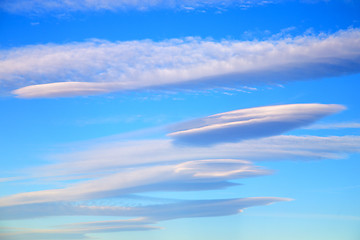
[(180, 119)]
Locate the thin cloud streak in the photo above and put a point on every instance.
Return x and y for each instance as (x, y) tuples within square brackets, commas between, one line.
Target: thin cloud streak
[(334, 126), (79, 230), (250, 123), (44, 6), (149, 213), (97, 67)]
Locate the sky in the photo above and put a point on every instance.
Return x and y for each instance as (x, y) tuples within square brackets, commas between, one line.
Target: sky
[(182, 120)]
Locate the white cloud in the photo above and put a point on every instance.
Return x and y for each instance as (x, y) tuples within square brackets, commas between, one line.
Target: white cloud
[(149, 215), (42, 6), (74, 233), (10, 179), (189, 163), (311, 216), (126, 222), (250, 123), (334, 125), (107, 158), (120, 168), (200, 174), (96, 66)]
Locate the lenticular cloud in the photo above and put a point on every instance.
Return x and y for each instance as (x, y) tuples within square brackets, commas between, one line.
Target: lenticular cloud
[(250, 123)]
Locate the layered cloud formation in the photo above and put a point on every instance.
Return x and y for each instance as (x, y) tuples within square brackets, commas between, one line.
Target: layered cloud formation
[(108, 173), (117, 155), (97, 67), (223, 131)]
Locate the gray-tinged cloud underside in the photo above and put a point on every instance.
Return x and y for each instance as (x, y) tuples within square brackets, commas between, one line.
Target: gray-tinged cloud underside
[(250, 123), (98, 67)]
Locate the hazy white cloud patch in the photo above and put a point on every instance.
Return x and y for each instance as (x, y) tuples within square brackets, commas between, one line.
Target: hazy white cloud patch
[(334, 125), (311, 216), (97, 66), (10, 179), (250, 123), (44, 6), (75, 232)]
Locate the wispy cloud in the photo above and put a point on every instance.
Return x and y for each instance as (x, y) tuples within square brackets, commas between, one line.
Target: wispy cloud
[(334, 125), (79, 230), (97, 67), (44, 6), (311, 216), (107, 158), (250, 123), (198, 175), (149, 213)]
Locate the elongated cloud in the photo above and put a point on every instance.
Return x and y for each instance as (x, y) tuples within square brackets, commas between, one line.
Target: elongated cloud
[(251, 123), (223, 129), (41, 6), (167, 177), (150, 214), (335, 125), (97, 67), (111, 157), (78, 230)]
